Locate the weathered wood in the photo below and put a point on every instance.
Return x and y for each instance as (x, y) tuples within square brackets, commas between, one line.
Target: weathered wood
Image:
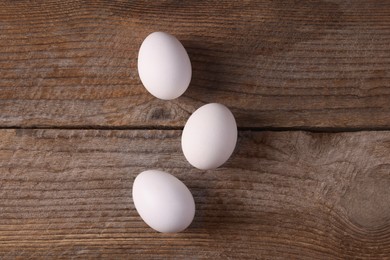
[(67, 193), (274, 63)]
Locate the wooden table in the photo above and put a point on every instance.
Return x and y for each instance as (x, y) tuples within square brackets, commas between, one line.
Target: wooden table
[(308, 82)]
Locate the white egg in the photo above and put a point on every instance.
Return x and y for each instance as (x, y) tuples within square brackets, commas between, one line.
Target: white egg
[(163, 201), (209, 136), (164, 66)]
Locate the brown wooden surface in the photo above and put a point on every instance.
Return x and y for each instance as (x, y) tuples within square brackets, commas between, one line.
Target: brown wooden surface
[(279, 65), (67, 193), (301, 64)]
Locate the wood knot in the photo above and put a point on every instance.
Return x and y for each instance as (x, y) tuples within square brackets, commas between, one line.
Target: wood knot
[(367, 200)]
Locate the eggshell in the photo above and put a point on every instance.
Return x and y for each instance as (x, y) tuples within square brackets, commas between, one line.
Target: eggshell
[(209, 136), (164, 66), (163, 201)]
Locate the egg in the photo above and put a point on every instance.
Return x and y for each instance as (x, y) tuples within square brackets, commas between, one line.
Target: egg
[(163, 201), (164, 66), (209, 137)]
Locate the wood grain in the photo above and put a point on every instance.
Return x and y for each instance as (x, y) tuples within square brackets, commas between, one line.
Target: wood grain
[(296, 64), (287, 195)]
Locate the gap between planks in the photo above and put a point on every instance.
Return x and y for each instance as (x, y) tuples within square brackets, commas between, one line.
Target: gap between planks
[(254, 129)]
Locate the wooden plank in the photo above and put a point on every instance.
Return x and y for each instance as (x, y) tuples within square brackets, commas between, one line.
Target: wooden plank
[(314, 64), (67, 193)]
